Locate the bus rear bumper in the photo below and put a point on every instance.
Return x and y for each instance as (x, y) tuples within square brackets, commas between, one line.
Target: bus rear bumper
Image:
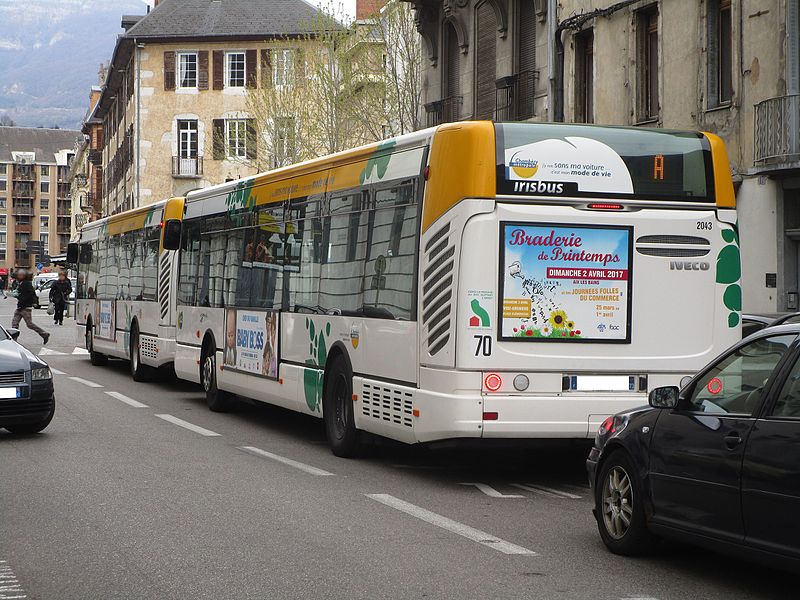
[(563, 416)]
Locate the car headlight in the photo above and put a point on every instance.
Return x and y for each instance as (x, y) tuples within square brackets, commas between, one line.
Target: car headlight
[(41, 374)]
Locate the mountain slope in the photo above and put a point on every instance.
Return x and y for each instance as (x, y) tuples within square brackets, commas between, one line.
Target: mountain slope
[(50, 52)]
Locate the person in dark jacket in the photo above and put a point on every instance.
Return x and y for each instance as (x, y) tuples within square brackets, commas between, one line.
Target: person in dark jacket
[(59, 296), (26, 298)]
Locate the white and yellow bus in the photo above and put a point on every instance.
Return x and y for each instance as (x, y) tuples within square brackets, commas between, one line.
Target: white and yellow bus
[(474, 280), (125, 305)]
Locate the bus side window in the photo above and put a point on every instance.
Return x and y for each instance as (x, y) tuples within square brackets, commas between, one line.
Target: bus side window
[(151, 244), (342, 273), (303, 254)]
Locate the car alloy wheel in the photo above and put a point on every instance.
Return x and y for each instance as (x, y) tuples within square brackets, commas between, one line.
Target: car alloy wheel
[(617, 505)]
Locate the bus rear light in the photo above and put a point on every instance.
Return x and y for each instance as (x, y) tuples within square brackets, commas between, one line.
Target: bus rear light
[(492, 382), (426, 172), (521, 382), (415, 412), (490, 416), (605, 206), (280, 381), (355, 397)]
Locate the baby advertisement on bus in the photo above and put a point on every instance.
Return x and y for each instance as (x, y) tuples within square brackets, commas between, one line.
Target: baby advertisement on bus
[(565, 282), (251, 342)]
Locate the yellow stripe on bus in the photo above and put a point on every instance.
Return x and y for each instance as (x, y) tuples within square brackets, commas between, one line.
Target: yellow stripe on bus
[(723, 184)]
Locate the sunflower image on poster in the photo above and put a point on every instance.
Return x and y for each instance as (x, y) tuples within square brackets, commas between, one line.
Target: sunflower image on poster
[(565, 283)]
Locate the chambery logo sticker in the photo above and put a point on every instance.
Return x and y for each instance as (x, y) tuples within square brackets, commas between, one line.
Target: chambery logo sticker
[(523, 167), (481, 306)]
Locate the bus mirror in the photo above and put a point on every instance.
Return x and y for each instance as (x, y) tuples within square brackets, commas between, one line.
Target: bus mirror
[(86, 254), (172, 234), (72, 253)]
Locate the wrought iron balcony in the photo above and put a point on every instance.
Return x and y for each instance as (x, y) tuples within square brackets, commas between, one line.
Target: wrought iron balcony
[(22, 210), (777, 131), (187, 167), (445, 110), (95, 156), (515, 95), (22, 228)]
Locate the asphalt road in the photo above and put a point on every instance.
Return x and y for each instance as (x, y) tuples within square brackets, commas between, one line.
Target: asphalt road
[(117, 499)]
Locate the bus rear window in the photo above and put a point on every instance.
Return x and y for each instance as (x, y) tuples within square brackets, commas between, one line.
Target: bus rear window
[(598, 162)]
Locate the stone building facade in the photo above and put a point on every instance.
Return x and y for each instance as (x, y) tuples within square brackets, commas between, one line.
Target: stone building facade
[(731, 67), (173, 110), (35, 200)]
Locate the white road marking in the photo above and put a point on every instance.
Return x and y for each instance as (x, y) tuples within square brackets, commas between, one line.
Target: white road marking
[(189, 426), (80, 351), (126, 400), (48, 351), (546, 491), (286, 461), (476, 535), (10, 587), (86, 382), (56, 371), (491, 492)]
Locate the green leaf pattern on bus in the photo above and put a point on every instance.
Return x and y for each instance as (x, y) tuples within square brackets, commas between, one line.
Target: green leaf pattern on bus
[(729, 272), (378, 162), (317, 357), (148, 219), (240, 197)]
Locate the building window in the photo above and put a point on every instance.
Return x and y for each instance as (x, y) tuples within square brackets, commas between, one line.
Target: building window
[(187, 138), (3, 168), (485, 60), (235, 67), (187, 70), (647, 53), (45, 171), (2, 203), (236, 138), (44, 203), (3, 185), (45, 239), (719, 55), (283, 67), (44, 187), (44, 223), (285, 142), (584, 77), (2, 220)]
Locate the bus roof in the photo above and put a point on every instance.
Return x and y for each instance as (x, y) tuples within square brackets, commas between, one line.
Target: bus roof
[(137, 218)]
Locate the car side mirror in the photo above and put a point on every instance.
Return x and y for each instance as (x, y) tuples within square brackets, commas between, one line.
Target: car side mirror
[(663, 397), (73, 251), (14, 333), (172, 234)]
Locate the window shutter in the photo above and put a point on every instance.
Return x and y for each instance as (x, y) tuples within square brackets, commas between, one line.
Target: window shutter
[(218, 57), (793, 46), (486, 59), (712, 53), (252, 142), (202, 70), (251, 66), (169, 70), (453, 75), (218, 128), (527, 36), (266, 68)]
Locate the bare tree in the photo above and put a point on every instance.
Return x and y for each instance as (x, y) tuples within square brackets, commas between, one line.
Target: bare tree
[(6, 121)]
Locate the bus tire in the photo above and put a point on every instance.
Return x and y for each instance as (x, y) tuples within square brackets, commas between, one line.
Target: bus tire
[(95, 358), (337, 409), (218, 400), (139, 372)]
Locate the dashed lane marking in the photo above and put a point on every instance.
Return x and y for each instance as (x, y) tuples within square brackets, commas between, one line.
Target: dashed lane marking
[(10, 587), (86, 382), (126, 400), (80, 351), (476, 535), (50, 352), (189, 426), (56, 371), (546, 491), (286, 461), (491, 492)]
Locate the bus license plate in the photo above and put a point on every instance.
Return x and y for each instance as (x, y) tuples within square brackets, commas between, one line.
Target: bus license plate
[(603, 383)]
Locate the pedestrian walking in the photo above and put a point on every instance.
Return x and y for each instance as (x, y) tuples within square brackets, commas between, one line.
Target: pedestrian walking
[(59, 296), (26, 298), (3, 283)]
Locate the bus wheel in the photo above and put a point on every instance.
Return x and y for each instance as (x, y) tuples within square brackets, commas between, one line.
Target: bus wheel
[(139, 372), (95, 358), (218, 400), (337, 410)]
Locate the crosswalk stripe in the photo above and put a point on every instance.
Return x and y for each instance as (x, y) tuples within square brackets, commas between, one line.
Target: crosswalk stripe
[(49, 352), (546, 491), (80, 351)]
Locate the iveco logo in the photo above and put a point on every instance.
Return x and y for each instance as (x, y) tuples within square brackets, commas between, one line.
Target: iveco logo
[(679, 265)]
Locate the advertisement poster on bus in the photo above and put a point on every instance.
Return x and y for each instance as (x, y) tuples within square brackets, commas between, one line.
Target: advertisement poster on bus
[(251, 342), (565, 283), (104, 317)]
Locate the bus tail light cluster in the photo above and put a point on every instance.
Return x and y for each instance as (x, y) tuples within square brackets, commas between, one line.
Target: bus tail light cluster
[(492, 382)]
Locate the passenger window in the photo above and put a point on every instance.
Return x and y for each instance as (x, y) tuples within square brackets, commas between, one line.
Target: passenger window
[(788, 402), (734, 385)]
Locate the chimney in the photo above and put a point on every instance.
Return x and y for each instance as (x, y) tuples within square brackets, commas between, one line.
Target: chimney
[(366, 9)]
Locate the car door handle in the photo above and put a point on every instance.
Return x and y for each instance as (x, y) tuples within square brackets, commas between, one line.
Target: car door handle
[(732, 440)]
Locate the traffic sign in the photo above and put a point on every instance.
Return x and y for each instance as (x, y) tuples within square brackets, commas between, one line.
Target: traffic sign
[(33, 246), (39, 266)]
